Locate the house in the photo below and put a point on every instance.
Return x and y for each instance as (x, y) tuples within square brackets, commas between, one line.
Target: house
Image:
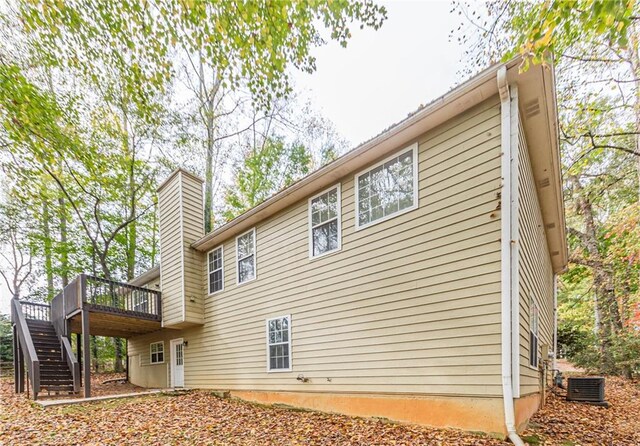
[(412, 278)]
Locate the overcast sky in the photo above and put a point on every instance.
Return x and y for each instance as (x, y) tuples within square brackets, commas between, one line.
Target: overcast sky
[(381, 76)]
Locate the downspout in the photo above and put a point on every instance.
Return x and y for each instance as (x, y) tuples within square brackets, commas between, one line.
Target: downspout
[(505, 254)]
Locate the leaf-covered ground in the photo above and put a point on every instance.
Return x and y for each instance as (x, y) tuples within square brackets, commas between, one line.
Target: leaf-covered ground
[(201, 418), (564, 423)]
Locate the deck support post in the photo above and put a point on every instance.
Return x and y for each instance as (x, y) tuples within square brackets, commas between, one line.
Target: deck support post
[(87, 351), (79, 352), (126, 359)]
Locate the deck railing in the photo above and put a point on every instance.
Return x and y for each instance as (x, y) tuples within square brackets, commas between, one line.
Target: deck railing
[(36, 311), (122, 297)]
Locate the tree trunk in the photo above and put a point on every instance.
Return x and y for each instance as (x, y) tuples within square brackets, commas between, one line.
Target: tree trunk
[(605, 302), (64, 248), (48, 247), (207, 98)]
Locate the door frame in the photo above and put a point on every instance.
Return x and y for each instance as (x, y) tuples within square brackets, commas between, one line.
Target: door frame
[(172, 356)]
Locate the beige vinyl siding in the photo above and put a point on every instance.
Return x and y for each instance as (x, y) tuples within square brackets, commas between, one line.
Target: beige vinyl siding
[(141, 371), (535, 270), (171, 253), (181, 223), (409, 305), (193, 227)]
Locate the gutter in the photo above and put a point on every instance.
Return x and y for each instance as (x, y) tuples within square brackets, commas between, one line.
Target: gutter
[(506, 258)]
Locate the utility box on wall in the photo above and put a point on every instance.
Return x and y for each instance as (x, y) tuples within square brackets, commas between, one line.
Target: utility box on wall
[(181, 217)]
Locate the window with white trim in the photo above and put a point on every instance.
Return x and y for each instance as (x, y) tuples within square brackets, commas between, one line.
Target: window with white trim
[(246, 256), (388, 188), (216, 272), (533, 333), (279, 344), (324, 222), (157, 352)]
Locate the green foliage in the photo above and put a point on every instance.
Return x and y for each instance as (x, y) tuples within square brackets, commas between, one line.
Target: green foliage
[(248, 42), (264, 171), (6, 339), (547, 29)]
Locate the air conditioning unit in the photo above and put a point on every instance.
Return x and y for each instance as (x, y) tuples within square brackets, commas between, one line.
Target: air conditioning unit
[(586, 390)]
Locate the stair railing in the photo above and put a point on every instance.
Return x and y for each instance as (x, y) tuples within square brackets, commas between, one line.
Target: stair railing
[(28, 349), (59, 305)]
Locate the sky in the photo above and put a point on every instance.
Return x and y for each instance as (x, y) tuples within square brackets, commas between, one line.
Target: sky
[(381, 76), (384, 75)]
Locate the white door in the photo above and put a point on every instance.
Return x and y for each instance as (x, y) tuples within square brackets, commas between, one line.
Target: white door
[(177, 363)]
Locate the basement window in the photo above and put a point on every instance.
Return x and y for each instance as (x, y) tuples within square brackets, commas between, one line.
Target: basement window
[(246, 255), (387, 189), (533, 333), (157, 352), (279, 344), (216, 273), (324, 222)]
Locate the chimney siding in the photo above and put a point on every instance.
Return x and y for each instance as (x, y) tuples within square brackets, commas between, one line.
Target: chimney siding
[(180, 205)]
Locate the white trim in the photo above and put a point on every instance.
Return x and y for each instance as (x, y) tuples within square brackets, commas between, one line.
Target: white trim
[(173, 364), (255, 256), (182, 249), (221, 247), (338, 216), (266, 326), (506, 297), (515, 241), (414, 148), (150, 353)]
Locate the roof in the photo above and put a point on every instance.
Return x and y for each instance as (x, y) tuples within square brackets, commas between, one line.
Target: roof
[(536, 87), (146, 277)]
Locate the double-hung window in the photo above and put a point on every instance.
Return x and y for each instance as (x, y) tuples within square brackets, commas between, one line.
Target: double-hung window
[(533, 333), (246, 256), (216, 272), (157, 352), (324, 222), (389, 188), (279, 344)]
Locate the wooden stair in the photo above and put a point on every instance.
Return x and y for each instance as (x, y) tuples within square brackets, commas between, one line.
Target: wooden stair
[(55, 376)]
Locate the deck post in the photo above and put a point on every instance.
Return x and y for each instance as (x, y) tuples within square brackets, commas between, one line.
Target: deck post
[(18, 363), (126, 358), (79, 353), (87, 351)]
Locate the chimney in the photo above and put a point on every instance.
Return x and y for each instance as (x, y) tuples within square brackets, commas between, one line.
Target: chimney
[(181, 217)]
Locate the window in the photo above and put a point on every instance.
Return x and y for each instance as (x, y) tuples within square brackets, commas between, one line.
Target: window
[(157, 352), (246, 255), (533, 333), (140, 301), (216, 273), (389, 188), (324, 222), (279, 344)]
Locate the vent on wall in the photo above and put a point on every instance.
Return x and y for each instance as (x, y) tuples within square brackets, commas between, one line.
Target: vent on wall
[(550, 225), (531, 108), (544, 182)]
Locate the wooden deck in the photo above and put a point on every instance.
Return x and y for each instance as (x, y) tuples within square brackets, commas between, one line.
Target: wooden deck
[(107, 321)]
